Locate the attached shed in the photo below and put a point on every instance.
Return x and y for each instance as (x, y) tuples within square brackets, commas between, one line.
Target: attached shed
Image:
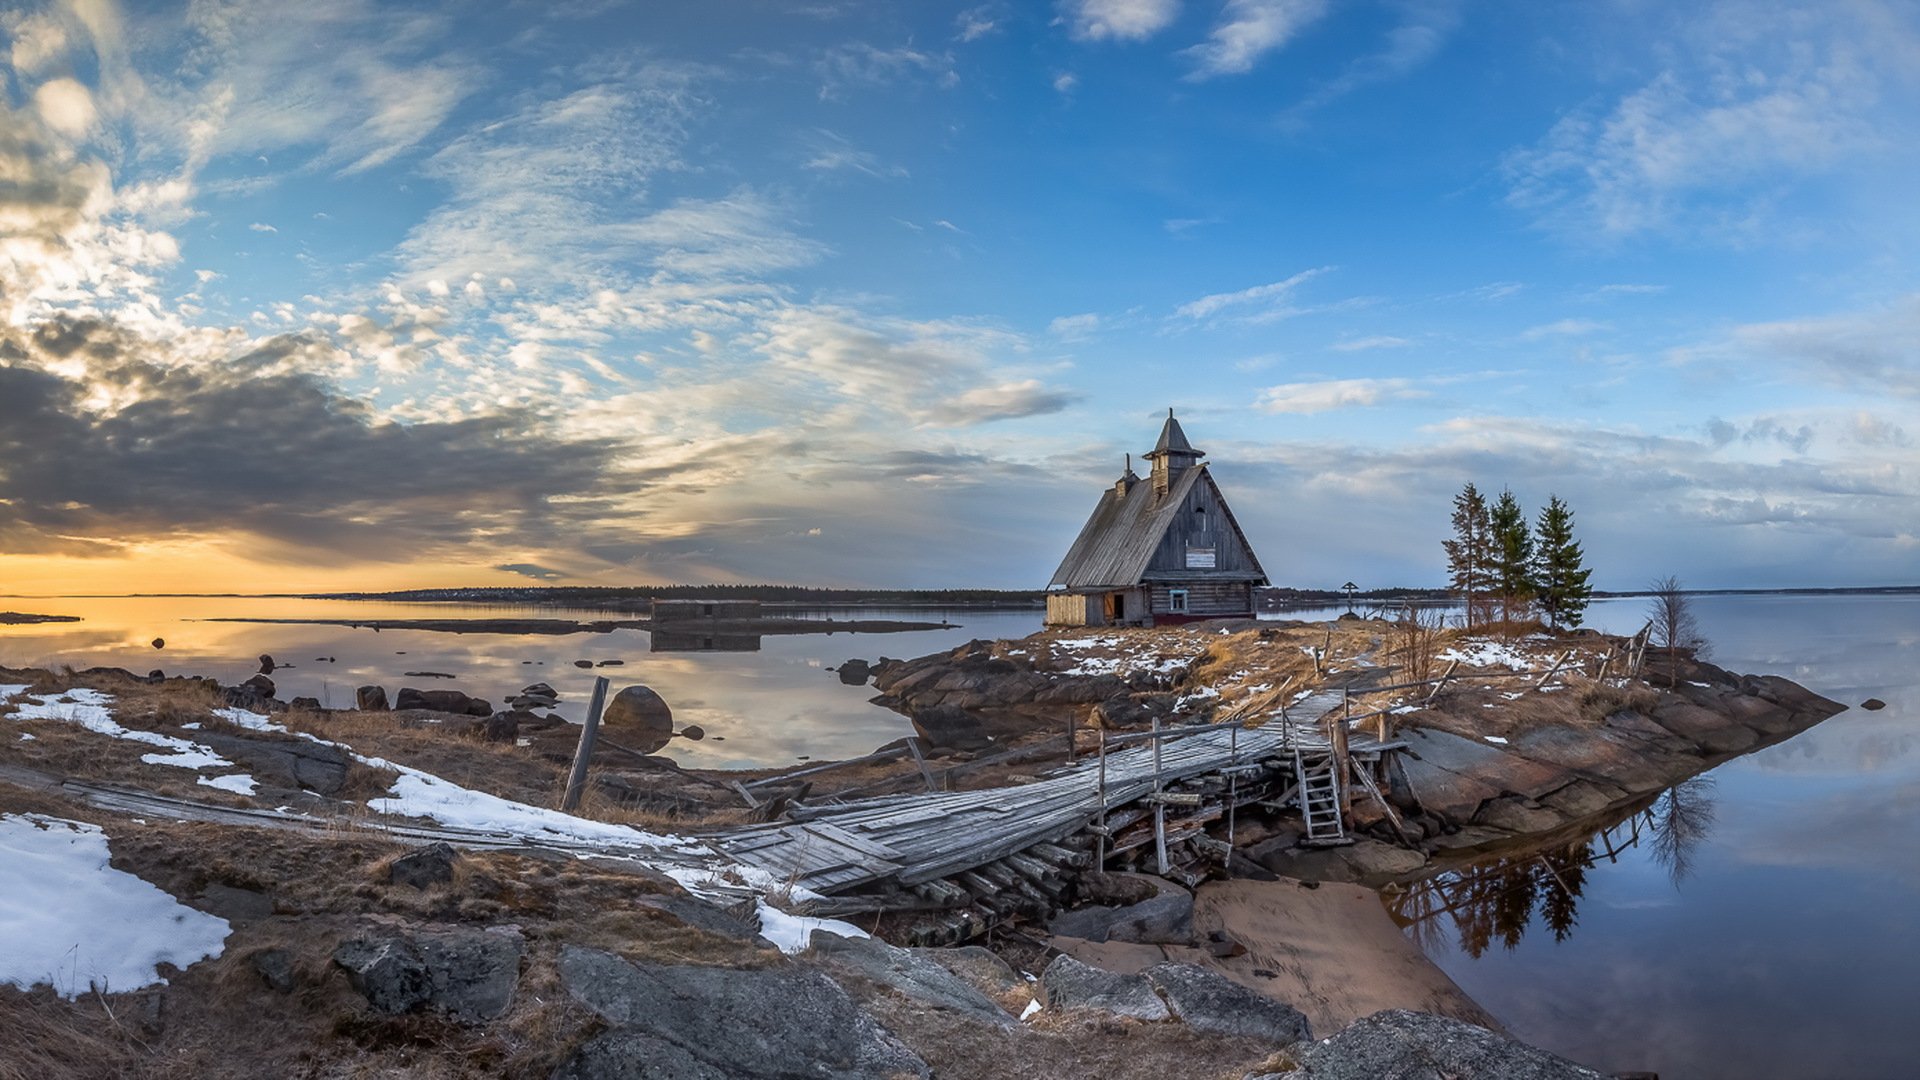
[(1163, 549)]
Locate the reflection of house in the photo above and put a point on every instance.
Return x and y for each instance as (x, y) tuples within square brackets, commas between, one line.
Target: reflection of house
[(1164, 549), (695, 641), (707, 610)]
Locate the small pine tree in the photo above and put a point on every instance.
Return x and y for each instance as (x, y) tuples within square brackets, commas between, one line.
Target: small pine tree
[(1512, 557), (1469, 553), (1557, 566)]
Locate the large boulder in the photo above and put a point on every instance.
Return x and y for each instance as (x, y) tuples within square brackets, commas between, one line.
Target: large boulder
[(1206, 1000), (641, 716), (855, 672), (443, 701), (725, 1022), (370, 699), (949, 727), (1069, 984), (1401, 1045), (424, 867), (467, 975), (293, 764), (909, 972)]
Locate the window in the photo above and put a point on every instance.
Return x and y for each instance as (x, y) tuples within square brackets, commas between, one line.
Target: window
[(1177, 600)]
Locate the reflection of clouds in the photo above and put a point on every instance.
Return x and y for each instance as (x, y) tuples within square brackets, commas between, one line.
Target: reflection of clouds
[(1862, 828), (769, 707)]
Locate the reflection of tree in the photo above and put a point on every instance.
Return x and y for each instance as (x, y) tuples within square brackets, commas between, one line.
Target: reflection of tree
[(1680, 820), (1499, 898)]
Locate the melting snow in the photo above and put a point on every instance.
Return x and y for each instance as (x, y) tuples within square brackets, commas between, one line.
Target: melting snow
[(1489, 654), (69, 920), (1033, 1007), (238, 783), (1495, 739), (88, 708), (793, 932)]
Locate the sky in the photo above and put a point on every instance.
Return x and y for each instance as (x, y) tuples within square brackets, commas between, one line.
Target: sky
[(373, 295)]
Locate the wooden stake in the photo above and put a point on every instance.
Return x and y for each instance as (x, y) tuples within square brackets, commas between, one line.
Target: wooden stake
[(583, 753), (1159, 808)]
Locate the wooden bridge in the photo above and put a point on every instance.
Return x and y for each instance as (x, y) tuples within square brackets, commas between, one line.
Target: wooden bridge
[(995, 852)]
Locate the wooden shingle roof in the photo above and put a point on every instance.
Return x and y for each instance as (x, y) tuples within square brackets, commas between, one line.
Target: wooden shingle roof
[(1118, 541)]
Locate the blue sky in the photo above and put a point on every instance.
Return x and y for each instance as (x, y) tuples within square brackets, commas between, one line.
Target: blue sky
[(875, 294)]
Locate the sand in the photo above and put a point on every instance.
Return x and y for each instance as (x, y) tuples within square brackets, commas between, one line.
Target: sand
[(1331, 952)]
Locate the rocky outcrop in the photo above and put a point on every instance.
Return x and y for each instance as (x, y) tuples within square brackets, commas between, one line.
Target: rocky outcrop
[(425, 867), (720, 1022), (910, 972), (466, 975), (1206, 1000), (1069, 984), (1142, 908), (294, 764), (441, 701), (1406, 1045)]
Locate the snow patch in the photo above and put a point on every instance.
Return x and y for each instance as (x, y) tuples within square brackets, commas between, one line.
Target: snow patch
[(1495, 739), (88, 708), (71, 921), (1487, 654), (1033, 1007), (792, 932), (238, 783)]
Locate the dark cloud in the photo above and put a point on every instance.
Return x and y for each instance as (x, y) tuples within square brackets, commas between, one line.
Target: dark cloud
[(133, 449), (538, 573)]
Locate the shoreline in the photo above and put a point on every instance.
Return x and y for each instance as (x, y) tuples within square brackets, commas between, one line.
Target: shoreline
[(542, 627)]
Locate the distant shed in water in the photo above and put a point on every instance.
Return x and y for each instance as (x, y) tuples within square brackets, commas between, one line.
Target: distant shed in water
[(1164, 549), (677, 611)]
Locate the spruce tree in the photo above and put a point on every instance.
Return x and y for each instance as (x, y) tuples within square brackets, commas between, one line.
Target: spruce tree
[(1512, 557), (1469, 553), (1564, 592)]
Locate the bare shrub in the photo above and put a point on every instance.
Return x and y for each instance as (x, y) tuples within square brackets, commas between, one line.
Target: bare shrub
[(1675, 629), (1415, 640)]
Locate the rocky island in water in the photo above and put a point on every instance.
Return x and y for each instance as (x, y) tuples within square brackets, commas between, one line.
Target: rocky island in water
[(382, 878)]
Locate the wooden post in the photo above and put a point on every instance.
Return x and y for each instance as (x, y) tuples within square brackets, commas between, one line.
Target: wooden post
[(1159, 808), (1340, 759), (1442, 681), (1100, 838), (1553, 670), (1233, 793), (920, 759), (583, 753), (1069, 736)]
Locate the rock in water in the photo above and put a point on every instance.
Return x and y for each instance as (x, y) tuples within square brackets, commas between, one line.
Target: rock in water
[(1873, 704), (694, 732), (266, 664), (370, 699), (642, 715), (855, 672), (159, 643)]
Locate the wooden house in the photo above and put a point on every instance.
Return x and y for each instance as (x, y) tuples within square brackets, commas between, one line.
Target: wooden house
[(687, 611), (1163, 549)]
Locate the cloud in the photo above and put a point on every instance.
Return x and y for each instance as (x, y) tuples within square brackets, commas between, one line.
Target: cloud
[(860, 65), (262, 227), (1006, 401), (1563, 328), (1625, 289), (1119, 20), (1331, 394), (831, 153), (1248, 30), (976, 23), (1066, 82), (1420, 35), (532, 570), (1074, 327), (1875, 352), (66, 105), (357, 82), (1377, 341), (1270, 296), (1759, 103), (107, 445)]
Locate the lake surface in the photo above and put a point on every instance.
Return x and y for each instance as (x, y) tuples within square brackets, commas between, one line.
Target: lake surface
[(770, 707), (1786, 945)]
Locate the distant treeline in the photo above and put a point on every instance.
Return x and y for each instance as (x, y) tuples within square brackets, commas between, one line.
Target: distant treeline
[(636, 597), (1286, 596)]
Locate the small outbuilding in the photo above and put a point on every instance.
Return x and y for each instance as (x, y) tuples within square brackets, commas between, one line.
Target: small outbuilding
[(1164, 549)]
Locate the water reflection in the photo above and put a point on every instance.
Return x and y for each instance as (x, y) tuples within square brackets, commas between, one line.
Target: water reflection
[(1500, 898), (681, 641)]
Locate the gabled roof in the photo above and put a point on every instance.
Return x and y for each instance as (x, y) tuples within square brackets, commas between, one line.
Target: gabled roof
[(1117, 543)]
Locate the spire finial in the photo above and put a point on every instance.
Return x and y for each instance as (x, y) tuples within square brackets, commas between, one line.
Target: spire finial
[(1169, 412)]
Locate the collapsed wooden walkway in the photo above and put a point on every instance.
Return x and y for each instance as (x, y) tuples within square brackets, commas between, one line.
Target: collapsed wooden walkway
[(898, 852)]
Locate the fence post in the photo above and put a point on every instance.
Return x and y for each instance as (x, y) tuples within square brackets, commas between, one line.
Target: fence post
[(1159, 808), (583, 753)]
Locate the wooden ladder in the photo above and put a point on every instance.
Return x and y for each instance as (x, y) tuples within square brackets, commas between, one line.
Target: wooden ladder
[(1320, 798)]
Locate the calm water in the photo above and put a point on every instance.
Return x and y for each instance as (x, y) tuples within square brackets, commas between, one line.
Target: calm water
[(768, 707), (1777, 937)]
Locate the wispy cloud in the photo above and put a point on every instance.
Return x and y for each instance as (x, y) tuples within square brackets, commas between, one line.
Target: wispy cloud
[(1563, 328), (1422, 32), (1268, 299), (830, 153), (1248, 30), (1331, 394), (1376, 341), (1120, 20), (1074, 327)]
